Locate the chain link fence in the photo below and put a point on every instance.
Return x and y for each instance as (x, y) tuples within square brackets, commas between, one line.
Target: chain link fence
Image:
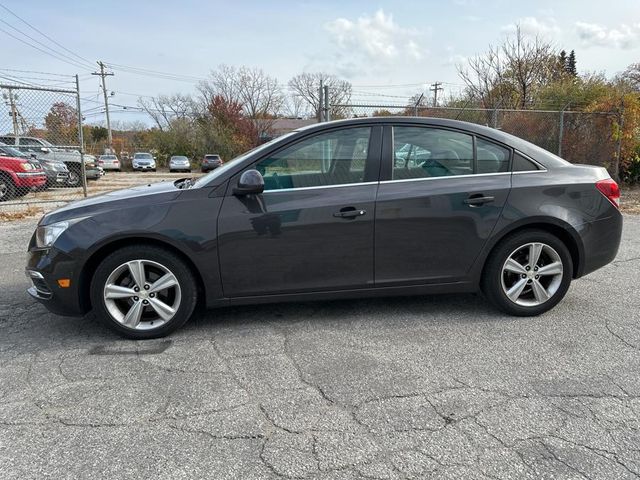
[(41, 158), (578, 137)]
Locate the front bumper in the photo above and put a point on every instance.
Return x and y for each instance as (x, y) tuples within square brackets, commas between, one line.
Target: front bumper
[(44, 268), (30, 179), (144, 167)]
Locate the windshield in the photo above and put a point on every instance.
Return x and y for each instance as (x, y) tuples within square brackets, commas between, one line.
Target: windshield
[(10, 151), (142, 155), (107, 157), (202, 181)]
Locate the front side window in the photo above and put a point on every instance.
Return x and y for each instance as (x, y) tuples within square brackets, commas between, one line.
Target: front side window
[(333, 158), (421, 152)]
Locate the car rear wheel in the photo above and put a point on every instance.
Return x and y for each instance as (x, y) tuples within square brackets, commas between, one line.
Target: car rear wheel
[(143, 292), (528, 273)]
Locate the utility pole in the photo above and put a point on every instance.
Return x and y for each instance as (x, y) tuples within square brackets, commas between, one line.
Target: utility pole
[(14, 112), (327, 115), (102, 74), (435, 88), (320, 102)]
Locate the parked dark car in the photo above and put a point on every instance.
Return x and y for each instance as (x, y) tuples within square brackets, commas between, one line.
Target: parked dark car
[(327, 212), (210, 162)]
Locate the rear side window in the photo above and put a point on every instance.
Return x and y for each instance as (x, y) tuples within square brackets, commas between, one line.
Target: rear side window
[(421, 152), (522, 164), (491, 157)]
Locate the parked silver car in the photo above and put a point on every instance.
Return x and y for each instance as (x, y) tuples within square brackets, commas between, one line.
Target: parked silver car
[(143, 161), (179, 163), (109, 162)]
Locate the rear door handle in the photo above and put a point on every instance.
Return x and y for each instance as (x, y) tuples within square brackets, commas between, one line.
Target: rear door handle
[(476, 201), (349, 212)]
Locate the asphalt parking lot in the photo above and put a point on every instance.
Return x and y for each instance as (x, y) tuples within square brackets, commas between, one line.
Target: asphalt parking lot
[(430, 387)]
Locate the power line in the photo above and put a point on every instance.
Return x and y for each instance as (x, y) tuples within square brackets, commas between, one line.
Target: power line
[(44, 34), (77, 65)]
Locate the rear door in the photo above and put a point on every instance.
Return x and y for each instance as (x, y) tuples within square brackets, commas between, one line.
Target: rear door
[(312, 228), (441, 194)]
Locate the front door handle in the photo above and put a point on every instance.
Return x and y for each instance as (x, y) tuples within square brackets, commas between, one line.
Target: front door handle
[(349, 212), (477, 200)]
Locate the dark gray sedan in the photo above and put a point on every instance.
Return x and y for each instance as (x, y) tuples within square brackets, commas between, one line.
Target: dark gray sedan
[(355, 208)]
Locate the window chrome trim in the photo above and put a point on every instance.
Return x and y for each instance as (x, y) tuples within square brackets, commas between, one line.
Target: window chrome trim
[(317, 187), (471, 175), (531, 171)]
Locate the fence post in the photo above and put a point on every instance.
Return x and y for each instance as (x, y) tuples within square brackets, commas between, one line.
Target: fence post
[(81, 139), (616, 166), (561, 133)]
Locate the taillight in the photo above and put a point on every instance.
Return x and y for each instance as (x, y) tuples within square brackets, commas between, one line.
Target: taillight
[(609, 188)]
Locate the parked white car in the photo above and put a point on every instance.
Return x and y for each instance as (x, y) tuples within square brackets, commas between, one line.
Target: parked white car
[(143, 161), (179, 163), (109, 162)]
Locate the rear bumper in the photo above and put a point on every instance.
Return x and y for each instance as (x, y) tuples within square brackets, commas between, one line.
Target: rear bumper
[(601, 241)]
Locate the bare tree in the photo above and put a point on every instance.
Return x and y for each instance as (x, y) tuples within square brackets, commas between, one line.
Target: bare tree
[(631, 76), (307, 86), (509, 75), (258, 93), (165, 108), (295, 106), (530, 64)]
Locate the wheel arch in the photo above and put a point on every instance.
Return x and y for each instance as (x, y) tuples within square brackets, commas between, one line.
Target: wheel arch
[(560, 229), (104, 250)]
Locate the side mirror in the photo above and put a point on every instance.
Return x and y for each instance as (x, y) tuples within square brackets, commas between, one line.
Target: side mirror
[(250, 183), (44, 150)]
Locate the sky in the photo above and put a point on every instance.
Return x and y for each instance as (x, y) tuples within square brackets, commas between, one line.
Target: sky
[(388, 50)]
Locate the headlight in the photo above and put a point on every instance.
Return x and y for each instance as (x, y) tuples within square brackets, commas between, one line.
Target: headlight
[(26, 166), (47, 234)]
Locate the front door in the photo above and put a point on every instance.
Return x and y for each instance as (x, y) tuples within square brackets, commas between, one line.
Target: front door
[(312, 228), (442, 196)]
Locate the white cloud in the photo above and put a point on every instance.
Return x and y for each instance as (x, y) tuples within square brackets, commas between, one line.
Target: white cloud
[(534, 26), (592, 34), (376, 38)]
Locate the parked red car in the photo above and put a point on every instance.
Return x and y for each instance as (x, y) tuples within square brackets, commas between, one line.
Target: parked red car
[(19, 176)]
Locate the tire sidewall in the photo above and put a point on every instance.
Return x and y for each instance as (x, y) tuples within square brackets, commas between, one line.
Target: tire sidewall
[(492, 278), (171, 261)]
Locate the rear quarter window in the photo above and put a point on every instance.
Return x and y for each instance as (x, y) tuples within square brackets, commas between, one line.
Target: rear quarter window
[(523, 164)]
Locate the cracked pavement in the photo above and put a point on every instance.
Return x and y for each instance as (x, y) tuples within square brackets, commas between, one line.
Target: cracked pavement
[(427, 387)]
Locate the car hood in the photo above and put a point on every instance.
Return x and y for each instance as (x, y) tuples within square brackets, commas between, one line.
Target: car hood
[(155, 193)]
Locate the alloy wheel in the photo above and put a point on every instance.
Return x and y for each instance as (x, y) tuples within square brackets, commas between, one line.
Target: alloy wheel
[(532, 274), (142, 294)]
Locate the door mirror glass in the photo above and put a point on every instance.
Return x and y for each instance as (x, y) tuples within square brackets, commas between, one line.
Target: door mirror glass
[(250, 183)]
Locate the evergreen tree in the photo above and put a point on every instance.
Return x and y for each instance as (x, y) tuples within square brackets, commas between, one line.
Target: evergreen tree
[(571, 64), (562, 60)]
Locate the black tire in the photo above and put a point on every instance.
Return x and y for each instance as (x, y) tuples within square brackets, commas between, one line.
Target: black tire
[(170, 170), (75, 176), (492, 277), (184, 275), (7, 188)]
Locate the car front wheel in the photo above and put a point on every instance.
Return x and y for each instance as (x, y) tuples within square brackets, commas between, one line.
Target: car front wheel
[(528, 273), (143, 292)]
